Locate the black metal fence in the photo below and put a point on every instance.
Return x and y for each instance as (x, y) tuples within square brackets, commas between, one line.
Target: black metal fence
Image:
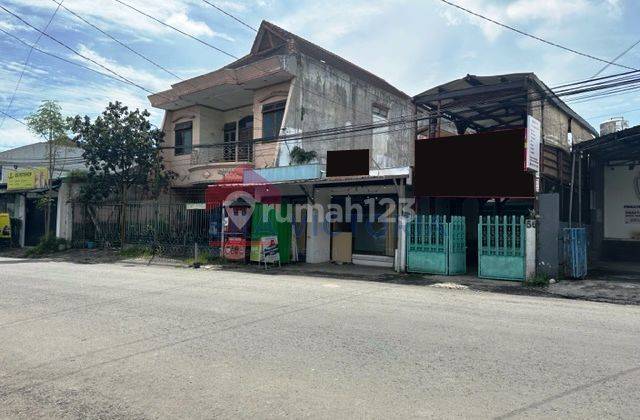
[(169, 229)]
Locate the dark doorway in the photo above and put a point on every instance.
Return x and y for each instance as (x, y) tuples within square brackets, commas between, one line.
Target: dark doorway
[(34, 224)]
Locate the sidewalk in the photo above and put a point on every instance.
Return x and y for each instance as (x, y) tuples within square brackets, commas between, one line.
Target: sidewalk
[(620, 288), (616, 282)]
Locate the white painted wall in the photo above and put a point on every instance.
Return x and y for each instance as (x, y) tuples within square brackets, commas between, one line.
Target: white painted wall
[(530, 252), (64, 212), (622, 203), (318, 230)]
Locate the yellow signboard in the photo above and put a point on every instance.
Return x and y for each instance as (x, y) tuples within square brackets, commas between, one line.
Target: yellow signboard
[(5, 226), (28, 179)]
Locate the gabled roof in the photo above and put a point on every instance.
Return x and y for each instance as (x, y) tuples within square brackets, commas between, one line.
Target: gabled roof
[(272, 39)]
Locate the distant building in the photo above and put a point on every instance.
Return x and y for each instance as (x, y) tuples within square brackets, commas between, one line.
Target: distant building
[(613, 125), (24, 180)]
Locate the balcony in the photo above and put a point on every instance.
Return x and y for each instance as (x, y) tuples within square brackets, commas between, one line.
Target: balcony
[(214, 162), (221, 153)]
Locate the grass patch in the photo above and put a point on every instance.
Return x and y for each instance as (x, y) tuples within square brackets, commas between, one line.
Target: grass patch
[(204, 260), (540, 280), (135, 252), (48, 245)]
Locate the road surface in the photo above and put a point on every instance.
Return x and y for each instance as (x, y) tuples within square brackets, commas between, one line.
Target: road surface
[(118, 341)]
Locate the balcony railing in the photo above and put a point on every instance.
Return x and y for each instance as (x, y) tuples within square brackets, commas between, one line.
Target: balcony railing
[(240, 152)]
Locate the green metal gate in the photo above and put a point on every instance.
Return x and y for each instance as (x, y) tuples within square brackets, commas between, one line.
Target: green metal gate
[(437, 246), (501, 247)]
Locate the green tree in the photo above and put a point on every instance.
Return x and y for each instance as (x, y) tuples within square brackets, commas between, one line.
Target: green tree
[(47, 121), (121, 151)]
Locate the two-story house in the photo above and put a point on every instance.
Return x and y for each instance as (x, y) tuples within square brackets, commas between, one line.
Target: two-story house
[(289, 95)]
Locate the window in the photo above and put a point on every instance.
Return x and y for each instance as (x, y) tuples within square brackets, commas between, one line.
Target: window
[(183, 138), (229, 139), (245, 137), (272, 119), (380, 143)]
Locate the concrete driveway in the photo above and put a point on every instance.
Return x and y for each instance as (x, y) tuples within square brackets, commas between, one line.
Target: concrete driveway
[(114, 341)]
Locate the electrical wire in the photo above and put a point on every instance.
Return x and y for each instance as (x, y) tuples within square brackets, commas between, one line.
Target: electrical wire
[(113, 38), (62, 58), (242, 22), (74, 51), (26, 62), (606, 66), (537, 38), (231, 16), (208, 44)]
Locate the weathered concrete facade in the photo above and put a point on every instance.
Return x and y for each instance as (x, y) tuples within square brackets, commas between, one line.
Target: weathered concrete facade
[(324, 97), (320, 90), (557, 124)]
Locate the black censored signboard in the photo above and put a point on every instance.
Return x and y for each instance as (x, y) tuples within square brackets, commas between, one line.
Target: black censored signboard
[(478, 165)]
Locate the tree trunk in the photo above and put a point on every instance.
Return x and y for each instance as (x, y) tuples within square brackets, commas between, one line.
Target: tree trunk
[(47, 213)]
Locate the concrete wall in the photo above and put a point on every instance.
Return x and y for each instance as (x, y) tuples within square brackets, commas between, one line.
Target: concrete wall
[(319, 97), (323, 97), (208, 128), (265, 154), (555, 125), (37, 155), (179, 164)]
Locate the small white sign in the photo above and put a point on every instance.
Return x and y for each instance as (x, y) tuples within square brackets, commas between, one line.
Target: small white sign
[(532, 159), (196, 206), (269, 249)]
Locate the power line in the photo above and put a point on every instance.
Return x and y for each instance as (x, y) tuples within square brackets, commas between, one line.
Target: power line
[(128, 47), (178, 30), (26, 62), (105, 33), (6, 115), (74, 51), (626, 111), (537, 38), (238, 58), (61, 58), (617, 58), (242, 22), (231, 16)]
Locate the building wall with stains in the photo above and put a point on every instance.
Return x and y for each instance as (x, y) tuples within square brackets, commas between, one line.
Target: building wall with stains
[(322, 97), (555, 125)]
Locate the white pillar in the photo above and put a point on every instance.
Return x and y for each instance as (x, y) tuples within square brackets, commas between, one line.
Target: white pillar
[(530, 249), (64, 215), (318, 229), (21, 213)]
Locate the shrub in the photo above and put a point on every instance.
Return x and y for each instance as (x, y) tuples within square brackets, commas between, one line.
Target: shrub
[(135, 251), (299, 156), (48, 245), (540, 280)]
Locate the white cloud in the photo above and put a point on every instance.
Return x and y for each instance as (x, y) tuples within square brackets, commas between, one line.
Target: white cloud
[(328, 21), (522, 13), (135, 74), (554, 10), (15, 134), (114, 16), (7, 26), (195, 28)]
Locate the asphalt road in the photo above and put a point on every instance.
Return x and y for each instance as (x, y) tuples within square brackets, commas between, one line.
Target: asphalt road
[(116, 341)]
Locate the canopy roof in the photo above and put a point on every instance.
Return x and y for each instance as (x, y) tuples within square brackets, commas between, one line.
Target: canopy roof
[(491, 102), (620, 146)]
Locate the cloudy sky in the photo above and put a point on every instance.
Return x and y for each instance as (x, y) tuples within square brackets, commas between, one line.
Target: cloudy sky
[(414, 44)]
